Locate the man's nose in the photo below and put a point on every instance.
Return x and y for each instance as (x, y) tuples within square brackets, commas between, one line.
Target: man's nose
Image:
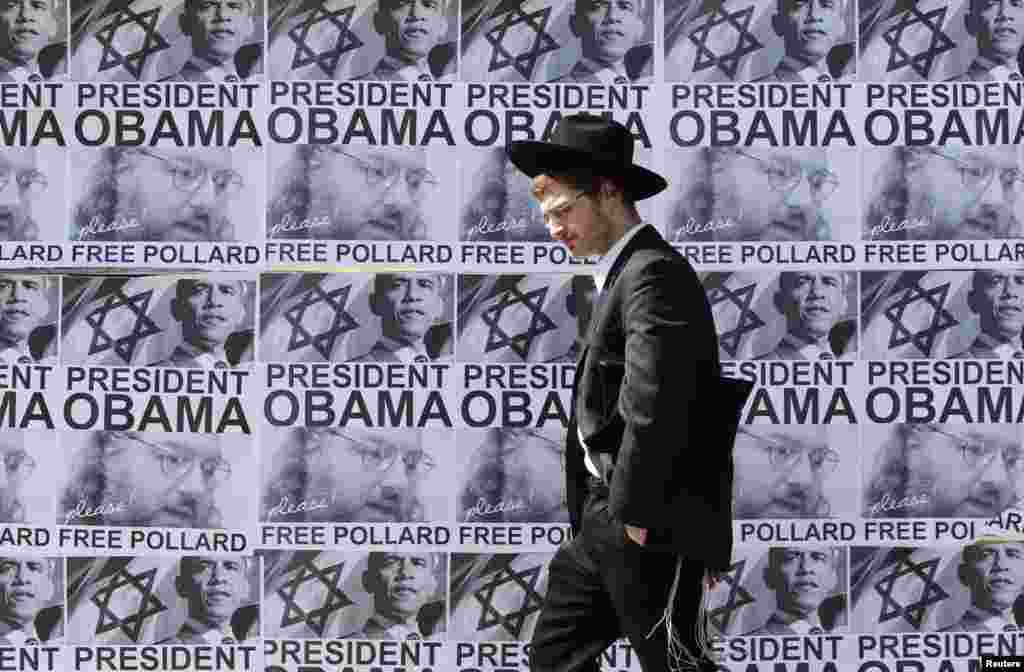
[(10, 193), (399, 193), (212, 299), (396, 476), (992, 195), (193, 482), (205, 195), (995, 471), (801, 473), (800, 196)]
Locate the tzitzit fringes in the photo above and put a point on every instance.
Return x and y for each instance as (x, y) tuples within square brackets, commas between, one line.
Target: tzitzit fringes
[(679, 656)]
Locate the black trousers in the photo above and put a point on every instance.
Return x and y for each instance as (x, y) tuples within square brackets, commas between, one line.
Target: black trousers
[(601, 586)]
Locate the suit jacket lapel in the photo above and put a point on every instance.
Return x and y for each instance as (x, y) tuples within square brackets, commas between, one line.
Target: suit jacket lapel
[(642, 238)]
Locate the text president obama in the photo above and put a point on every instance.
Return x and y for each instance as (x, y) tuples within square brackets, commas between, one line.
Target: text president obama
[(650, 498)]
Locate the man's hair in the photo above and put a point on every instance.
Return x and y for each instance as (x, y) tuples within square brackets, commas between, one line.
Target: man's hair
[(582, 179), (293, 195), (388, 5), (100, 200), (187, 562), (375, 560), (582, 6), (782, 6), (776, 554), (787, 279), (192, 5), (182, 287), (381, 280)]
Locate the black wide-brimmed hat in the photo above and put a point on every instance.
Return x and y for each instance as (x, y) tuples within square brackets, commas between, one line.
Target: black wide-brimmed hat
[(586, 140)]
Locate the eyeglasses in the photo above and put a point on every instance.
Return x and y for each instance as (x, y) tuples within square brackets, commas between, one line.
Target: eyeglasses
[(377, 458), (382, 175), (784, 456), (19, 465), (977, 174), (976, 454), (188, 176), (32, 182), (552, 216), (784, 175), (177, 466)]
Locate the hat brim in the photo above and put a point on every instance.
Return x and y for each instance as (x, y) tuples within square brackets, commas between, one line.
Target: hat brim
[(539, 158)]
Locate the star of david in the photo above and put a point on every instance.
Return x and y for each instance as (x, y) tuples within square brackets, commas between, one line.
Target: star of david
[(738, 597), (525, 62), (941, 319), (341, 323), (513, 620), (149, 604), (939, 42), (522, 341), (913, 612), (345, 41), (133, 61), (315, 619), (746, 43), (143, 327), (748, 321)]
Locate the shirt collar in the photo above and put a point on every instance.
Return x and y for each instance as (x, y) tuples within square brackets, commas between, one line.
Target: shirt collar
[(608, 260), (604, 73), (806, 73), (205, 358), (396, 630), (20, 72), (12, 355), (1002, 349), (216, 72), (800, 626), (989, 621), (809, 350), (403, 351), (1000, 72), (193, 628), (410, 72)]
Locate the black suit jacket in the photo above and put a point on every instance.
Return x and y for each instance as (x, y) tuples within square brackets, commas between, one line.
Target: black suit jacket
[(652, 407)]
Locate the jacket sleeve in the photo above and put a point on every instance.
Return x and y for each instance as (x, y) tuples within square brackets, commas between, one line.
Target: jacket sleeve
[(657, 391)]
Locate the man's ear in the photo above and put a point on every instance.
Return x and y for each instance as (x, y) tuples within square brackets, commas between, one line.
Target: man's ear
[(574, 25), (972, 300), (182, 587), (185, 23), (971, 23), (771, 577), (777, 25), (176, 309), (779, 300), (370, 582), (375, 306), (379, 23)]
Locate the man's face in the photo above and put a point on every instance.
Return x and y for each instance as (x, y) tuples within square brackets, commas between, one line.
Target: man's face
[(26, 584), (805, 576), (162, 479), (999, 28), (780, 471), (406, 583), (608, 28), (366, 475), (409, 305), (964, 194), (23, 304), (173, 194), (373, 193), (575, 220), (520, 473), (812, 302), (214, 588), (18, 465), (998, 298), (26, 26), (768, 194), (21, 185), (995, 574), (210, 310), (219, 27), (967, 471), (411, 28), (810, 28)]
